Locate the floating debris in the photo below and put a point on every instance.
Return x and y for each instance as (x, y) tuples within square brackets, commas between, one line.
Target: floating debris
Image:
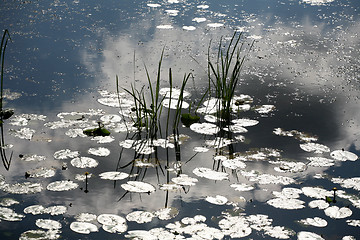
[(342, 155), (59, 186), (210, 174), (140, 217), (314, 147), (83, 227), (137, 186), (84, 162), (100, 151), (218, 200), (66, 154)]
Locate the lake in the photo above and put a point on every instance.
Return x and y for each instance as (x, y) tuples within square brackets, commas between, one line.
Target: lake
[(97, 148)]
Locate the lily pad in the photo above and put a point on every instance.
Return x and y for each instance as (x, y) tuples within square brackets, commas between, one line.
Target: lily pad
[(83, 227), (210, 174), (205, 128), (59, 186), (84, 162), (316, 222), (66, 154), (342, 155), (184, 180), (140, 216), (304, 235), (314, 147), (218, 200), (48, 224), (187, 119), (139, 187), (166, 213), (338, 213), (100, 151), (113, 175), (10, 215)]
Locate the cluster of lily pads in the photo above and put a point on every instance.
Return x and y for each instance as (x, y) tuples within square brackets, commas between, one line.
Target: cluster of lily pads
[(233, 225)]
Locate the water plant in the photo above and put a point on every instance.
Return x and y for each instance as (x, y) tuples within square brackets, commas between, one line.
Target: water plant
[(224, 75)]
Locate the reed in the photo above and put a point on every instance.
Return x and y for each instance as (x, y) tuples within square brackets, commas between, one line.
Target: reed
[(224, 73)]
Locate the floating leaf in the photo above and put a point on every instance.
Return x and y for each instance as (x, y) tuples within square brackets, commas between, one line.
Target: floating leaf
[(233, 164), (10, 215), (40, 235), (41, 172), (66, 154), (316, 222), (343, 155), (48, 224), (100, 151), (59, 186), (103, 139), (205, 128), (242, 187), (245, 122), (218, 200), (172, 104), (286, 203), (7, 202), (303, 235), (210, 174), (278, 232), (314, 147), (84, 162), (264, 109), (140, 216), (316, 192), (23, 133), (83, 227), (22, 188), (32, 158), (259, 221), (110, 118), (94, 132), (320, 204), (137, 186), (235, 226), (166, 213), (184, 180), (320, 162), (85, 217), (338, 213), (112, 223), (200, 149), (113, 175)]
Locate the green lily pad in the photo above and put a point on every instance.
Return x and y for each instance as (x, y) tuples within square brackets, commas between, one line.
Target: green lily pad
[(95, 132), (187, 119)]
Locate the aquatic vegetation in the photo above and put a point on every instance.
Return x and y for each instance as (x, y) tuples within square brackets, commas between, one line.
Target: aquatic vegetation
[(342, 155), (40, 234), (314, 147), (210, 174), (21, 188), (218, 200), (112, 223), (23, 133), (308, 235), (59, 186), (338, 213), (286, 203), (40, 172), (83, 227), (7, 202), (66, 154), (39, 209), (100, 151), (316, 222), (166, 213), (10, 215), (48, 224), (113, 175), (140, 216), (84, 162), (137, 186)]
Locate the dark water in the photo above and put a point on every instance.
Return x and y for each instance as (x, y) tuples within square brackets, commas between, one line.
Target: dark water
[(305, 61)]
